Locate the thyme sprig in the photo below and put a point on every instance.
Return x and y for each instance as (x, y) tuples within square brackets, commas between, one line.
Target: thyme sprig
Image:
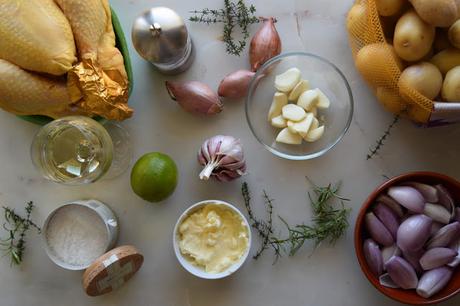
[(232, 15), (329, 222), (379, 143), (14, 244)]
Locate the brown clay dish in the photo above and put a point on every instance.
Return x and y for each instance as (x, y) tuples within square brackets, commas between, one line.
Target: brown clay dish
[(400, 295)]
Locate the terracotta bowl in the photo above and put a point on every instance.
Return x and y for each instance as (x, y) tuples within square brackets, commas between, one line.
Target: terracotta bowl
[(400, 295)]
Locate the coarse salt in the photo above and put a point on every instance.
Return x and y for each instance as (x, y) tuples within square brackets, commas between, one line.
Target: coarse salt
[(76, 235)]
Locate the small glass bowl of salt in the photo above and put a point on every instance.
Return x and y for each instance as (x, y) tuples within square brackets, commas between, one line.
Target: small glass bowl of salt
[(77, 233)]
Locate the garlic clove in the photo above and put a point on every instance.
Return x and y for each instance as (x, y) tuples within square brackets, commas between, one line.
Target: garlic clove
[(315, 123), (279, 101), (315, 135), (290, 126), (300, 88), (286, 81), (314, 111), (279, 122), (285, 136), (303, 127), (308, 100), (323, 100), (293, 112)]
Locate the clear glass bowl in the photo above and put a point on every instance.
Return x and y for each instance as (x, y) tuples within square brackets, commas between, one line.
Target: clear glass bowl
[(321, 74)]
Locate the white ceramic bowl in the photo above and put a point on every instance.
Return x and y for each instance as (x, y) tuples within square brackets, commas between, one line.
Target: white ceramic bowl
[(197, 271)]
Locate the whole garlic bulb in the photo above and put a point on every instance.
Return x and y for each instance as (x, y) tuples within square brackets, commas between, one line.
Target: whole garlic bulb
[(222, 158)]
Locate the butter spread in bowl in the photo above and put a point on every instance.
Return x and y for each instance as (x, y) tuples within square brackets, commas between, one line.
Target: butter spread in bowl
[(212, 239)]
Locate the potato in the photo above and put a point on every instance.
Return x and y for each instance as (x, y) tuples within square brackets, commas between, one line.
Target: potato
[(454, 34), (451, 86), (357, 18), (439, 13), (390, 100), (423, 77), (389, 7), (377, 63), (446, 60), (413, 37), (441, 40)]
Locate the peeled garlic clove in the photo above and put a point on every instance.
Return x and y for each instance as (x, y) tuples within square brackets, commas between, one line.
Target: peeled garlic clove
[(430, 193), (265, 44), (385, 280), (388, 218), (390, 251), (445, 236), (293, 112), (279, 101), (279, 122), (286, 81), (314, 111), (408, 197), (314, 124), (433, 281), (392, 204), (402, 273), (445, 198), (290, 126), (285, 136), (235, 85), (323, 100), (308, 100), (301, 87), (195, 97), (437, 212), (373, 256), (302, 128), (315, 135), (377, 230), (413, 233), (437, 257)]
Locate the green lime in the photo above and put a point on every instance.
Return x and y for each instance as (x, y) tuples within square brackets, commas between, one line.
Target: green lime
[(154, 177)]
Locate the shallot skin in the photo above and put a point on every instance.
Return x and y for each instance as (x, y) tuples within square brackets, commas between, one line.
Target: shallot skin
[(265, 44), (236, 84), (195, 97)]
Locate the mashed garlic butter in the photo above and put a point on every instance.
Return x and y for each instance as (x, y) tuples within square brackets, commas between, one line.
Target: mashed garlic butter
[(213, 237)]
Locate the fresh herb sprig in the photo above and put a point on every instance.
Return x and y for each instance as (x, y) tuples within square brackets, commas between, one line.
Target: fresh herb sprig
[(232, 15), (329, 222), (14, 244), (379, 144)]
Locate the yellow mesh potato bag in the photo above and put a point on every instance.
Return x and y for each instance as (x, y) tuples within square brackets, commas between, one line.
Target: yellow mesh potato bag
[(381, 68)]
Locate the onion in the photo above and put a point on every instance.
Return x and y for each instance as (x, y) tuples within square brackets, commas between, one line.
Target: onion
[(388, 218), (457, 214), (437, 257), (413, 233), (397, 209), (437, 212), (265, 44), (436, 226), (433, 281), (195, 97), (236, 84), (430, 193), (414, 259), (445, 198), (456, 247), (385, 280), (445, 236), (390, 251), (408, 197), (373, 257), (377, 230), (402, 273)]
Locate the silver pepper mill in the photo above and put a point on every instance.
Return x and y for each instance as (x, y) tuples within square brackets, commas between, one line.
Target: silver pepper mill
[(161, 37)]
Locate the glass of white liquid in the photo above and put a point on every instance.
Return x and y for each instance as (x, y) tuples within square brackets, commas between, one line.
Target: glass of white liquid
[(78, 150)]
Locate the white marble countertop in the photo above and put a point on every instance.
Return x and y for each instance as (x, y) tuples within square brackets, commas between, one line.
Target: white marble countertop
[(331, 276)]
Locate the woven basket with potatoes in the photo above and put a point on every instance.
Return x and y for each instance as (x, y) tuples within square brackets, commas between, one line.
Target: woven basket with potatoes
[(408, 51)]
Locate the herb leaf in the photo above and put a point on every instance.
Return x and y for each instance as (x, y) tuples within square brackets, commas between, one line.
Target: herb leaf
[(379, 143)]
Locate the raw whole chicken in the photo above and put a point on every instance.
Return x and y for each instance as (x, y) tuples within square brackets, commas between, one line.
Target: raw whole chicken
[(35, 35)]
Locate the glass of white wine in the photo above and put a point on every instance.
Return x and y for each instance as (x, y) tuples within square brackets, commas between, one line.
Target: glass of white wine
[(78, 150)]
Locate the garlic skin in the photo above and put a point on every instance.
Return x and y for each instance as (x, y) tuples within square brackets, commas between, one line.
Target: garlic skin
[(195, 97), (223, 158), (236, 84), (265, 44)]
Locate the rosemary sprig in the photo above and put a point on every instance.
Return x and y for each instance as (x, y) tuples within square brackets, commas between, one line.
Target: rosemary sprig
[(14, 244), (328, 224), (375, 150), (232, 15)]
